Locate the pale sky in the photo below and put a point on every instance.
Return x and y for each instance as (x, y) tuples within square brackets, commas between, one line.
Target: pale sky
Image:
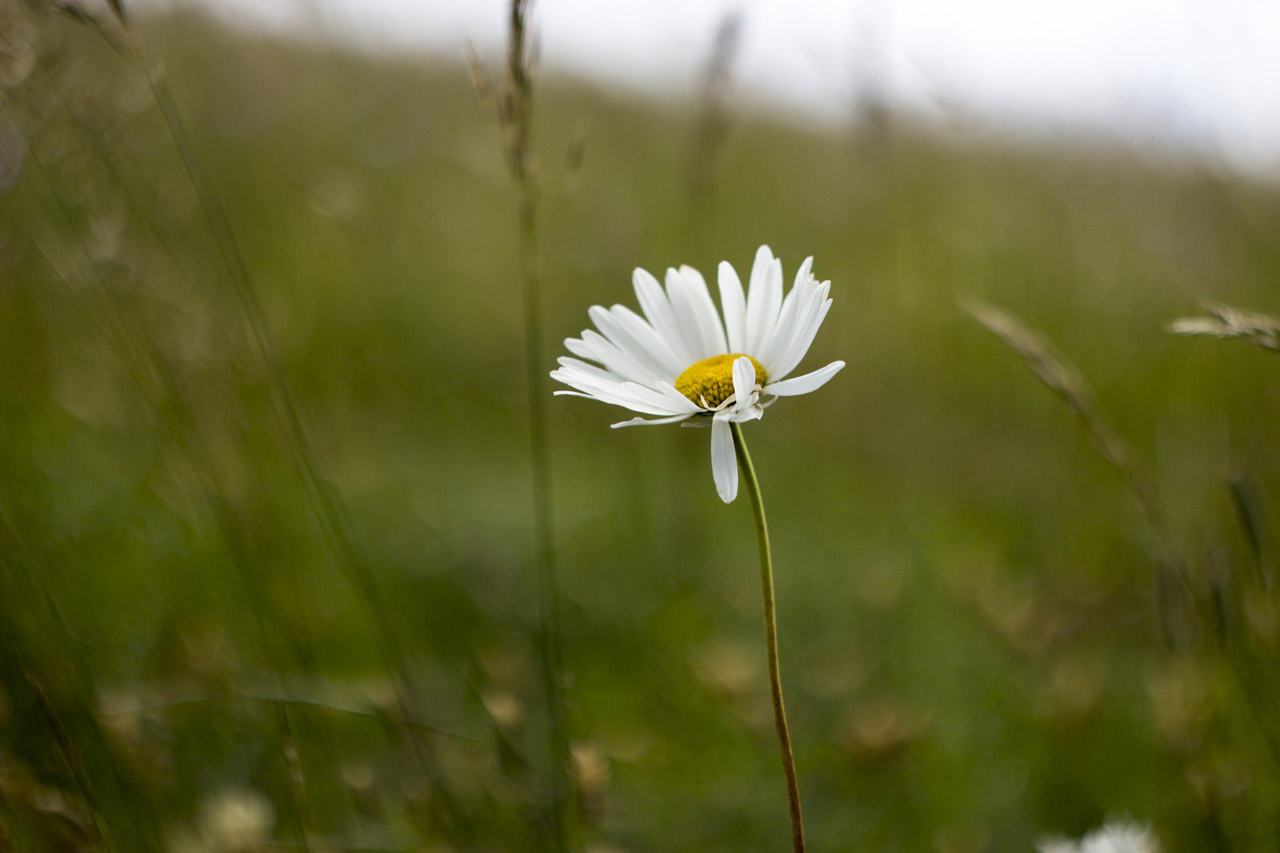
[(1181, 75)]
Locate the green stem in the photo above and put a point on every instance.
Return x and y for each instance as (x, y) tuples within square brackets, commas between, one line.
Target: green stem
[(771, 636)]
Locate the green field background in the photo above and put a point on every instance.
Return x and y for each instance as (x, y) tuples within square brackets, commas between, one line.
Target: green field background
[(266, 515)]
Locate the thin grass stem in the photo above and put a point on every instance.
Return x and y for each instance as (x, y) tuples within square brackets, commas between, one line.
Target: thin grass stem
[(516, 115), (1065, 380), (71, 756), (325, 502)]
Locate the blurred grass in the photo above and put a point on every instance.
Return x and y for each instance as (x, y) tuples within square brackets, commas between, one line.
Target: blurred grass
[(968, 618)]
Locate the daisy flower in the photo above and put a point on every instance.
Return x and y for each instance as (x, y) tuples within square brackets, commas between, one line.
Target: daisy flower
[(681, 362)]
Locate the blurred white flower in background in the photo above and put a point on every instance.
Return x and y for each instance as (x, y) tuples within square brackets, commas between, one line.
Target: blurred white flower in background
[(237, 820), (1114, 836)]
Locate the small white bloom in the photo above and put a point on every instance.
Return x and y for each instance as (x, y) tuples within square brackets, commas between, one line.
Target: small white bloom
[(676, 362), (1121, 836), (1114, 836)]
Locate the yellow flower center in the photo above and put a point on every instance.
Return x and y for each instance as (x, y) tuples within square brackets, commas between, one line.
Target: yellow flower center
[(710, 382)]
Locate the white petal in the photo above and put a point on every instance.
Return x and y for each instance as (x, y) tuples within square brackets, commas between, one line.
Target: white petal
[(755, 289), (804, 330), (653, 397), (771, 351), (574, 366), (656, 306), (764, 298), (631, 341), (804, 273), (679, 401), (625, 361), (638, 421), (793, 338), (659, 398), (684, 306), (804, 384), (695, 313), (646, 336), (744, 383), (753, 412), (708, 316), (586, 381), (617, 394), (724, 463), (596, 347), (735, 307)]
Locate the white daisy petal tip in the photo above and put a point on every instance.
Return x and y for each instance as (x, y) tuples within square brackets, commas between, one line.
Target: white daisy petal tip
[(804, 275), (649, 421), (805, 384)]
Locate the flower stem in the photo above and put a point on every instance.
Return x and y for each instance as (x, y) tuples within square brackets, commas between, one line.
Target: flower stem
[(771, 636)]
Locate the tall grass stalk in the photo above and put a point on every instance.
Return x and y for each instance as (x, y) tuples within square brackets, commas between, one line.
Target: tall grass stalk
[(265, 367), (160, 388), (1068, 383), (1224, 321), (71, 755), (1064, 380), (711, 132), (515, 114), (21, 562), (326, 503)]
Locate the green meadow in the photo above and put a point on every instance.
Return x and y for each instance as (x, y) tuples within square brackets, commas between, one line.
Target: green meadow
[(267, 522)]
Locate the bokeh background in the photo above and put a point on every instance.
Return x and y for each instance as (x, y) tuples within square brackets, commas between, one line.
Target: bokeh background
[(266, 514)]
